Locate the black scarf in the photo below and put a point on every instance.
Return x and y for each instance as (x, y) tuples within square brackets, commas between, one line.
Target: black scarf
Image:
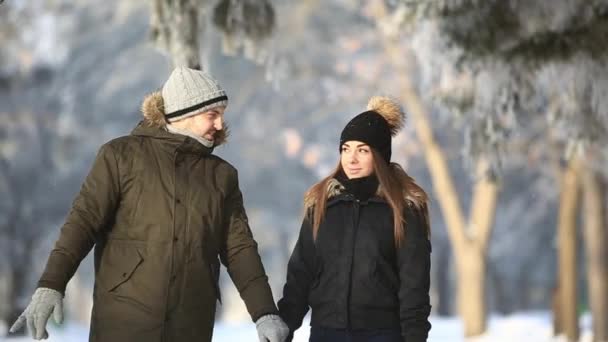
[(362, 188)]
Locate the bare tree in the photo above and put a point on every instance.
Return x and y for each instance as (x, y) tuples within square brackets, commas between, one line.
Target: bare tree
[(578, 116), (522, 39), (178, 25), (470, 233), (595, 236)]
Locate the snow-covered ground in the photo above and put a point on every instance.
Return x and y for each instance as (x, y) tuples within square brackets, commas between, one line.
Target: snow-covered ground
[(525, 327)]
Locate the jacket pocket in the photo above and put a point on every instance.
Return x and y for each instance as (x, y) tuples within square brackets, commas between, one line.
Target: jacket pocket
[(384, 277), (315, 296), (316, 280), (119, 262)]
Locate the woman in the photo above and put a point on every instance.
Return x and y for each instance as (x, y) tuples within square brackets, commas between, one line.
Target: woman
[(362, 259)]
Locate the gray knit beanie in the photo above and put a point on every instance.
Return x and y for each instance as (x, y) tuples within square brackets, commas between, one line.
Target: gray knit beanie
[(188, 92)]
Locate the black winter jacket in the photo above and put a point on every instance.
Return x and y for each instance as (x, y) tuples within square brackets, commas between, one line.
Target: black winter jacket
[(353, 277)]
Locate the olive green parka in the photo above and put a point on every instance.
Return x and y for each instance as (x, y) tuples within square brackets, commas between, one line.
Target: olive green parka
[(159, 208)]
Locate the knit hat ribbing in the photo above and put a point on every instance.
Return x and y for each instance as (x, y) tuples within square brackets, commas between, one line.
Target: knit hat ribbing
[(188, 92), (376, 126)]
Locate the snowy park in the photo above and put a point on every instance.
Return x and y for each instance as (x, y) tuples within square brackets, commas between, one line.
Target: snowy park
[(491, 116), (531, 326)]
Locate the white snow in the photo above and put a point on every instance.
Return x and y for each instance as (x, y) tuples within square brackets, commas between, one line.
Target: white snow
[(525, 326)]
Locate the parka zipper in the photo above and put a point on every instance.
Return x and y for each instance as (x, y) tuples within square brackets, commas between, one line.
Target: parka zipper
[(172, 246), (355, 217)]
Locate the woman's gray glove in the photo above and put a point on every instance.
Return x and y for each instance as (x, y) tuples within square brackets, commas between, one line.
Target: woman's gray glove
[(44, 302), (271, 328)]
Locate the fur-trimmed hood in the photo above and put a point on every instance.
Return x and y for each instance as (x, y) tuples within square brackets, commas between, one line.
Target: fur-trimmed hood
[(335, 188), (152, 109)]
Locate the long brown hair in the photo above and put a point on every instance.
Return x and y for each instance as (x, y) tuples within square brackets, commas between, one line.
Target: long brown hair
[(396, 187)]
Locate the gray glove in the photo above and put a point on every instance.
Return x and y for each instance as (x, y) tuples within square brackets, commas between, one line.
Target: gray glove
[(44, 302), (271, 328)]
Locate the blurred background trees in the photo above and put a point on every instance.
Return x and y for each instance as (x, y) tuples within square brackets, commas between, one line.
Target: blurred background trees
[(507, 106), (545, 59)]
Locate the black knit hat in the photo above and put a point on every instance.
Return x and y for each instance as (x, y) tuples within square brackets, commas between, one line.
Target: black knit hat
[(376, 126)]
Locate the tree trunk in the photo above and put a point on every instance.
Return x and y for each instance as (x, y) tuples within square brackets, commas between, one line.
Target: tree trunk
[(568, 208), (469, 245), (175, 29), (471, 276), (594, 233), (471, 290), (558, 328)]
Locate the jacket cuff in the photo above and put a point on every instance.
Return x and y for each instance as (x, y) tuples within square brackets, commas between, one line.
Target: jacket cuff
[(267, 311), (52, 285), (290, 336)]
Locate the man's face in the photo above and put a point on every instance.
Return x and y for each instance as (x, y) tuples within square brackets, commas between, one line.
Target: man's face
[(207, 123)]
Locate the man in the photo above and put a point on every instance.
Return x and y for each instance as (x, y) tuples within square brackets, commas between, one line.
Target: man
[(160, 208)]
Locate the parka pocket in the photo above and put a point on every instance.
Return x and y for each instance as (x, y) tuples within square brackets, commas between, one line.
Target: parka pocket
[(316, 280), (385, 277), (315, 295), (119, 262)]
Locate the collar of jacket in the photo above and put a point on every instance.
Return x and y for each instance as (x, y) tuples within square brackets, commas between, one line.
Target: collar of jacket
[(336, 192), (176, 142), (335, 188), (346, 197), (362, 188)]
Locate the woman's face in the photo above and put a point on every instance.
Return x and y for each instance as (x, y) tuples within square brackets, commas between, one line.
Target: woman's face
[(356, 159)]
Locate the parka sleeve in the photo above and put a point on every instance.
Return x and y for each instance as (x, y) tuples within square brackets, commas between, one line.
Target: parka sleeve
[(239, 253), (414, 261), (300, 274), (92, 210)]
